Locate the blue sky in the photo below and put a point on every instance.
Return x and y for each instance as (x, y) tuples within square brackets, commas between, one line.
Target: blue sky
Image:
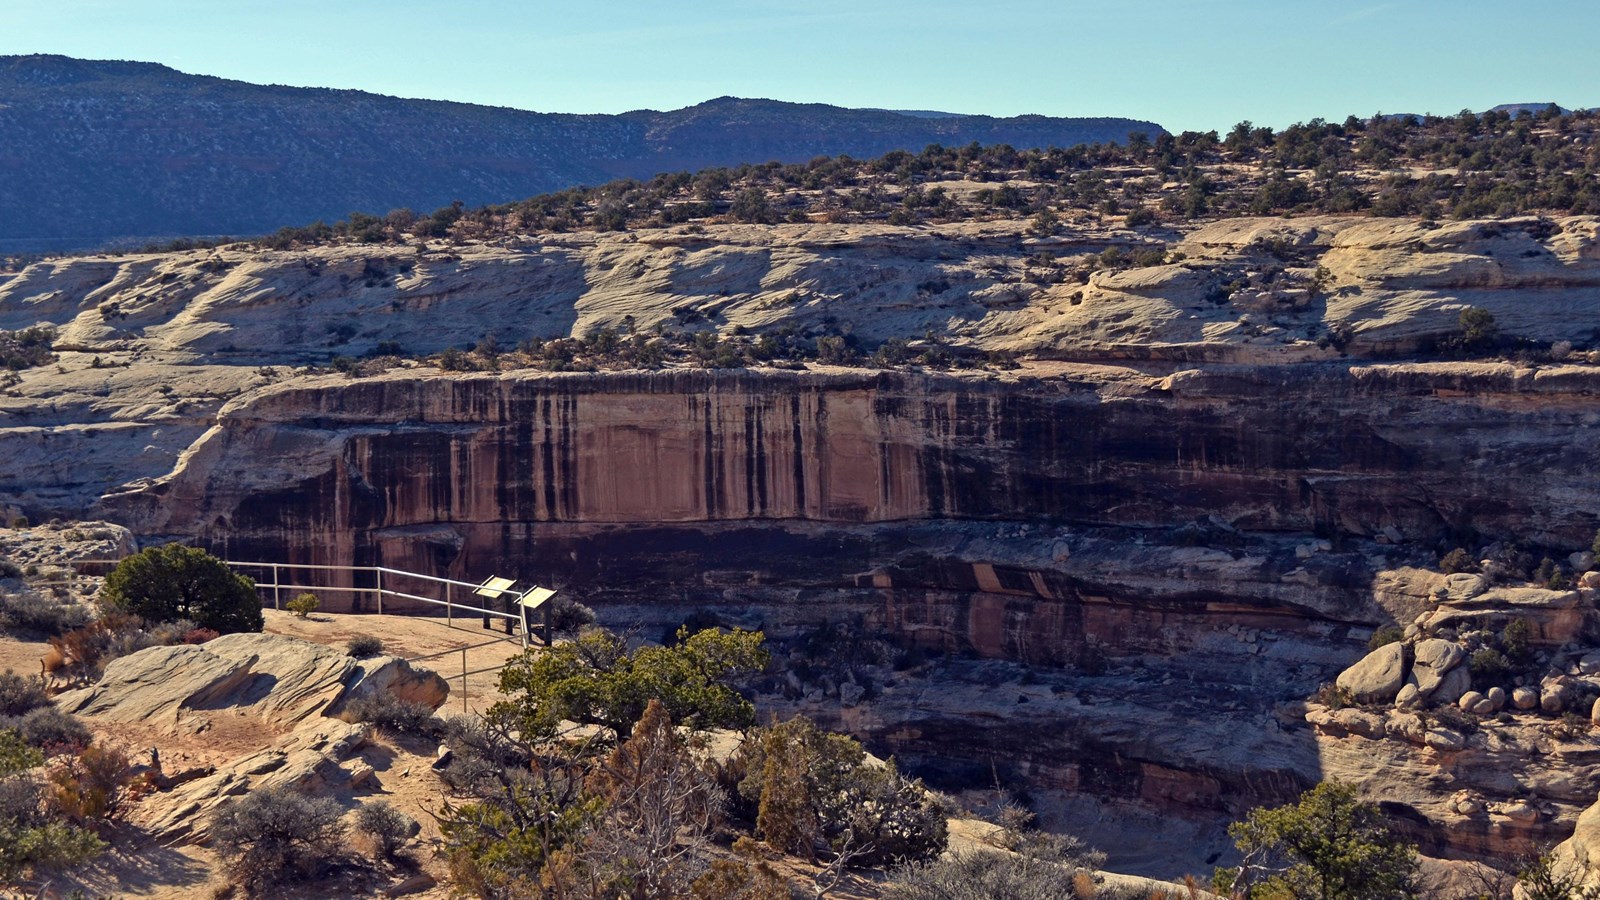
[(1186, 64)]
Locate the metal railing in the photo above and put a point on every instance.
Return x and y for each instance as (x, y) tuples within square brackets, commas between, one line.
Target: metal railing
[(280, 571), (278, 585), (465, 673)]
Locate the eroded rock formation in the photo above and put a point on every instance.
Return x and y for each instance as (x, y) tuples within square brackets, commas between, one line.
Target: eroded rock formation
[(1185, 507)]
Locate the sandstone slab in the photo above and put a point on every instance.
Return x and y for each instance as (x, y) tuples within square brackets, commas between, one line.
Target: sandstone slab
[(280, 681)]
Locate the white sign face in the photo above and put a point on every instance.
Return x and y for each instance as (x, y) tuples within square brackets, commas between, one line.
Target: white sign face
[(494, 587), (536, 597)]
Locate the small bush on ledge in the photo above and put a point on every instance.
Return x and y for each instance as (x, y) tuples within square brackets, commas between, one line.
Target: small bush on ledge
[(364, 646), (304, 605)]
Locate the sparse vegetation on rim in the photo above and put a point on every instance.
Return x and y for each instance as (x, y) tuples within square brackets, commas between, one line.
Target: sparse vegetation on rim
[(1462, 166)]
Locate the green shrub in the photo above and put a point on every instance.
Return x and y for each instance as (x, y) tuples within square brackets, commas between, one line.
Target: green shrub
[(1547, 571), (277, 835), (51, 730), (391, 713), (1479, 330), (1515, 641), (33, 612), (1140, 215), (595, 680), (304, 605), (363, 646), (1489, 667), (1388, 634), (32, 838), (1327, 846), (177, 582), (21, 694), (1457, 561), (386, 826)]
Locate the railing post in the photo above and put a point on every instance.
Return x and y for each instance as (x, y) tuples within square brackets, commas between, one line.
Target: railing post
[(379, 573), (464, 681), (447, 618), (277, 596)]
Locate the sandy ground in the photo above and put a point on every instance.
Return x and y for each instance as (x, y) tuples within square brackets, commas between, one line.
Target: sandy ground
[(428, 642)]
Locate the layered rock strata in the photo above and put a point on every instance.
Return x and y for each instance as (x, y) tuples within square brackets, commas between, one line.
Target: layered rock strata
[(1186, 509)]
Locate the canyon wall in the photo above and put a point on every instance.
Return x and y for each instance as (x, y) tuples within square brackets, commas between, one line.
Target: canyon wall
[(467, 473)]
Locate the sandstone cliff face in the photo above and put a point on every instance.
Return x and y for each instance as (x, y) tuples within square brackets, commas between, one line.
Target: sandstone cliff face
[(487, 463)]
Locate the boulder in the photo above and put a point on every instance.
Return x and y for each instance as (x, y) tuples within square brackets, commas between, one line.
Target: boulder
[(1525, 698), (1589, 580), (156, 684), (1445, 739), (1553, 698), (416, 884), (1341, 722), (1520, 811), (1408, 698), (1463, 586), (1581, 561), (1579, 855), (1497, 698), (1455, 683), (1434, 660), (393, 675), (1594, 712), (1360, 722), (1378, 676), (1408, 726), (1469, 700), (361, 775)]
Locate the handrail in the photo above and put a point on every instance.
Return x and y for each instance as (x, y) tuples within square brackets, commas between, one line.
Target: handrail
[(277, 587), (432, 656), (450, 605)]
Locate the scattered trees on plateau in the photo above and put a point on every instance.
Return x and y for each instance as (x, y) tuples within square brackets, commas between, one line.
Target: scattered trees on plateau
[(165, 584)]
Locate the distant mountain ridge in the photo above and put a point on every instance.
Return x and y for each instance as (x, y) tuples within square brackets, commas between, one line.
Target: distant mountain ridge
[(106, 150)]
